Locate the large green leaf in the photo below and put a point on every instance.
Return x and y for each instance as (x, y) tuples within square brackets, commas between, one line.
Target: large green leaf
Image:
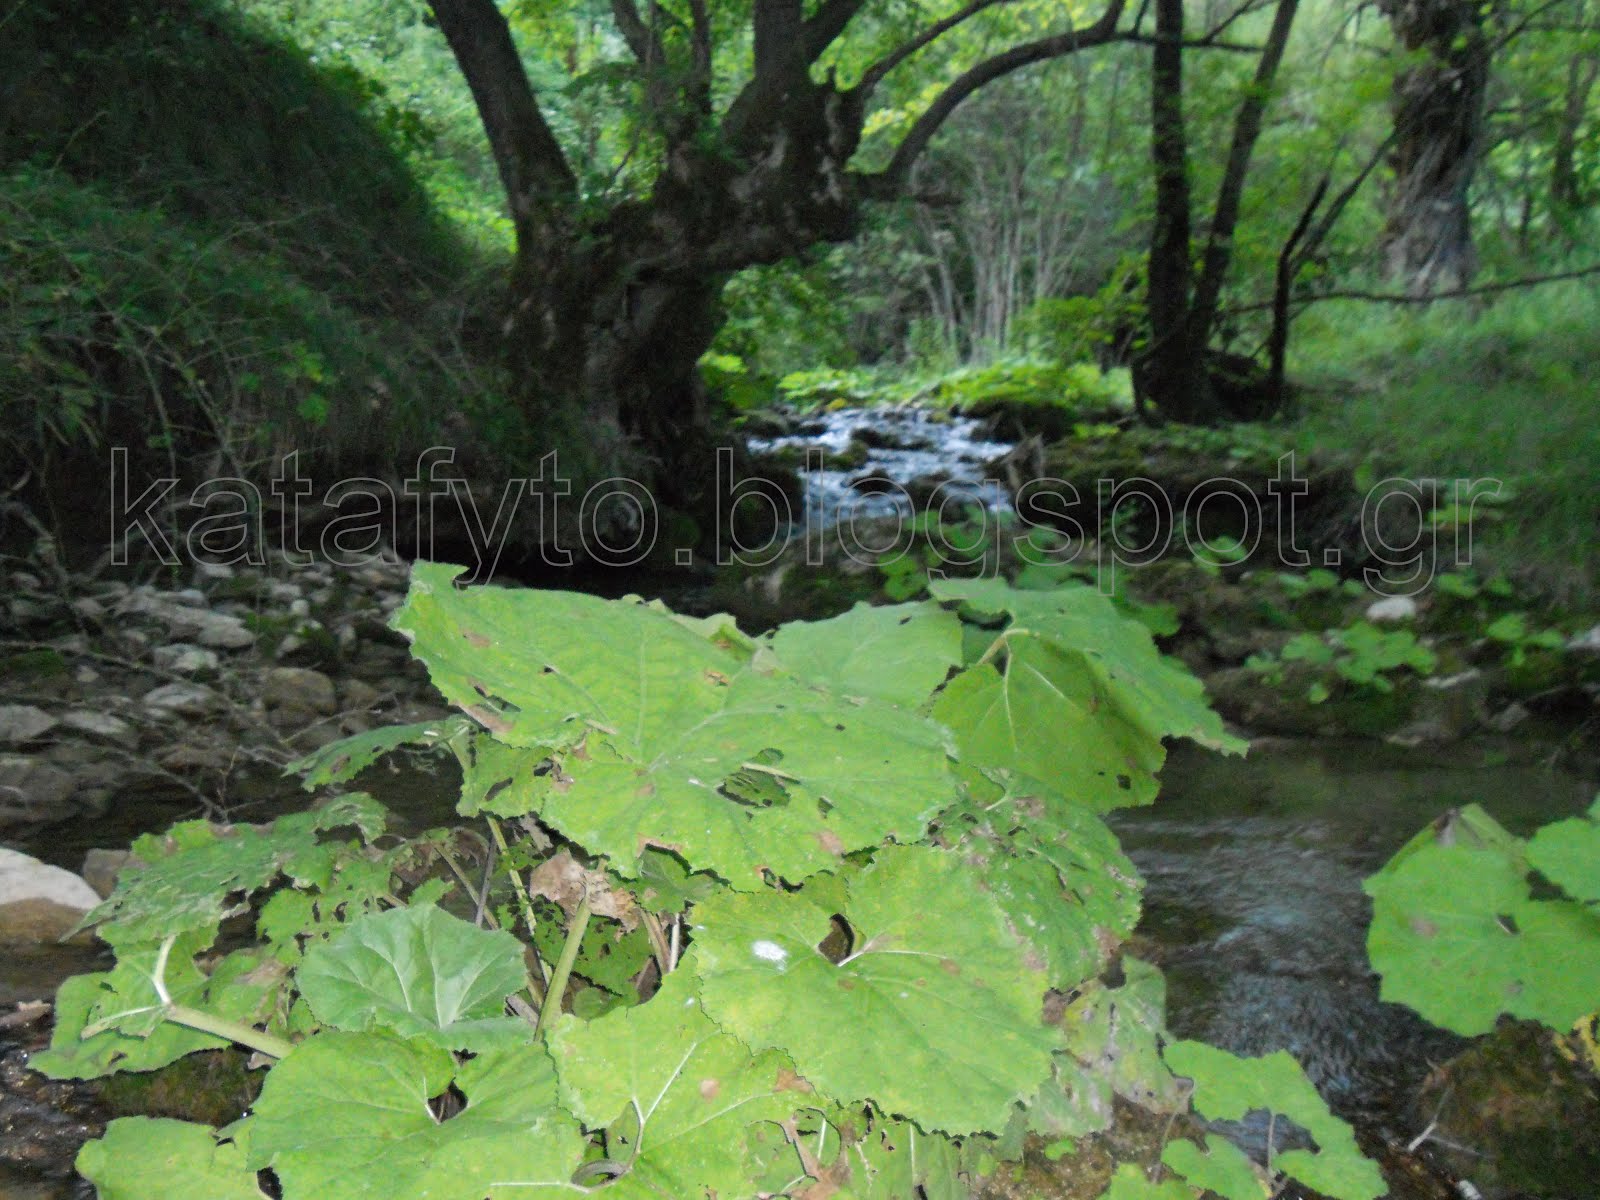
[(1114, 1033), (1567, 853), (139, 1158), (1457, 935), (1152, 691), (1129, 1182), (195, 873), (342, 761), (1221, 1168), (346, 1116), (657, 731), (676, 1092), (935, 1013), (1227, 1087), (1040, 711), (898, 653), (417, 971)]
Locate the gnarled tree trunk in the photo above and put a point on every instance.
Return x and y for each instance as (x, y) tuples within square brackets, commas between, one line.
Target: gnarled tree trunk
[(1438, 120)]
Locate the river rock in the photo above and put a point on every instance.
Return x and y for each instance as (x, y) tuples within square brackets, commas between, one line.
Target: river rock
[(1392, 609), (223, 632), (299, 690), (184, 659), (182, 700), (100, 726), (1446, 709), (33, 790), (101, 867), (38, 902), (23, 723), (357, 696)]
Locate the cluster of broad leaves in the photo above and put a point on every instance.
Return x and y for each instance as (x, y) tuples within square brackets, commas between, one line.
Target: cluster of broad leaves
[(838, 904), (1470, 922)]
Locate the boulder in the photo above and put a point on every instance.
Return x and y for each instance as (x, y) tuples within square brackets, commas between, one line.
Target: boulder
[(38, 902), (100, 727), (21, 724), (299, 689), (33, 790), (175, 700)]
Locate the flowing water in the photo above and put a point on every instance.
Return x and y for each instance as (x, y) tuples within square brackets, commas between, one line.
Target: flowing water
[(911, 448)]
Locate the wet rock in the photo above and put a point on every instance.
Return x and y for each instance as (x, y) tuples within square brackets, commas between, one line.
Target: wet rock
[(1446, 709), (357, 696), (222, 632), (33, 790), (1515, 1116), (100, 869), (39, 902), (174, 700), (284, 592), (100, 727), (208, 572), (1509, 717), (184, 659), (299, 691), (196, 757), (1392, 609), (22, 724)]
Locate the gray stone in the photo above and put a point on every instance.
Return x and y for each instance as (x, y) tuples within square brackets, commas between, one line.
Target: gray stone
[(356, 696), (300, 608), (182, 700), (222, 632), (32, 789), (100, 726), (1392, 609), (184, 659), (1509, 717), (208, 571), (1446, 709), (284, 592), (100, 868), (38, 902), (192, 597), (23, 723), (301, 689)]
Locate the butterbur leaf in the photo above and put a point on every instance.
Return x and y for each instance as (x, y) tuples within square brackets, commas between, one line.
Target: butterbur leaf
[(342, 761), (1040, 712), (1567, 853), (894, 1160), (347, 1116), (677, 1091), (196, 873), (140, 1158), (647, 722), (935, 1014), (1457, 935), (418, 972), (1131, 1183), (1115, 1033), (1221, 1167), (1227, 1087), (898, 653), (1148, 689)]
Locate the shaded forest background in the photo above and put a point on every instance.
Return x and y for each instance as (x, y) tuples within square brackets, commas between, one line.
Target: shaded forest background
[(233, 231)]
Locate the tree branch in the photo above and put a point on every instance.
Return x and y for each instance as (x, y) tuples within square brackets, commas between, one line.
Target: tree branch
[(1460, 293), (533, 169), (827, 23), (875, 73), (893, 177)]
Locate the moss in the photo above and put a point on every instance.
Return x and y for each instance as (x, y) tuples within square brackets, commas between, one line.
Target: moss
[(213, 1087)]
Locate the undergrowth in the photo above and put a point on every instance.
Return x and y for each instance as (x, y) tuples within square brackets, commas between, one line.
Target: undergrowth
[(1498, 391)]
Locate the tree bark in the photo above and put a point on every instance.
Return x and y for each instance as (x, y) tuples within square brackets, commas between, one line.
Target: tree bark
[(1165, 373), (1438, 117)]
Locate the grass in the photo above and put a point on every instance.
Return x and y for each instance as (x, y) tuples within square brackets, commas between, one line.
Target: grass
[(1505, 390)]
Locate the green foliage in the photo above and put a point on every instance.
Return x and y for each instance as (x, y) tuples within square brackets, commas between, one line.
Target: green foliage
[(1462, 931), (1362, 656), (825, 922), (1228, 1088)]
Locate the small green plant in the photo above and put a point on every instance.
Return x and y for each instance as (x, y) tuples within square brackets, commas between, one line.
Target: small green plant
[(770, 916), (1519, 638), (1361, 656)]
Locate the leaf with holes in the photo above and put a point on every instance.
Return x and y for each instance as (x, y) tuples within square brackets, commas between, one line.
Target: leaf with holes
[(418, 972), (140, 1158), (343, 760), (1228, 1087), (670, 722), (1221, 1167), (352, 1116), (935, 1014), (676, 1093), (1115, 1032)]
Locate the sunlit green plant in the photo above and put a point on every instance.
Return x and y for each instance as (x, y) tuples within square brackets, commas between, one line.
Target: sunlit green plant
[(773, 916)]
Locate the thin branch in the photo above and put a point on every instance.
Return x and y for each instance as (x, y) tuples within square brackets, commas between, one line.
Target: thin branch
[(1461, 293), (893, 177), (875, 73)]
